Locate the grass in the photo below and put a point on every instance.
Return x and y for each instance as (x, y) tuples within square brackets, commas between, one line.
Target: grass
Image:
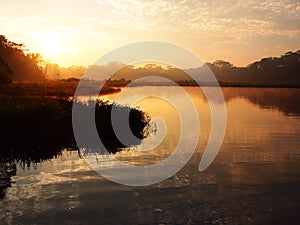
[(36, 121), (53, 88)]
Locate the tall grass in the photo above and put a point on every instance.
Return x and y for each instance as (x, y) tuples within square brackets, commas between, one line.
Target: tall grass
[(37, 128)]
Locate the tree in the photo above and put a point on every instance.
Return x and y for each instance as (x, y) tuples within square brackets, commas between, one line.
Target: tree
[(222, 63), (5, 43), (5, 72), (23, 67), (37, 58)]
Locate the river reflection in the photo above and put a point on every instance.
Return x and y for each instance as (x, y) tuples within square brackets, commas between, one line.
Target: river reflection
[(254, 180)]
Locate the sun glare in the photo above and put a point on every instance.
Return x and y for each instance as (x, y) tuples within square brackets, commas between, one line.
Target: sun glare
[(51, 45)]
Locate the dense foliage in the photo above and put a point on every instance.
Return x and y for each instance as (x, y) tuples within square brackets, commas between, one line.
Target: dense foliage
[(16, 65), (38, 128)]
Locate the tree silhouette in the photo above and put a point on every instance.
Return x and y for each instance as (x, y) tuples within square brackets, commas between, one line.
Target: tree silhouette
[(23, 67), (5, 72), (278, 71)]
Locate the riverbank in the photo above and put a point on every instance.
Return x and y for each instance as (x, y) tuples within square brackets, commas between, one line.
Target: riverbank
[(53, 88), (36, 118)]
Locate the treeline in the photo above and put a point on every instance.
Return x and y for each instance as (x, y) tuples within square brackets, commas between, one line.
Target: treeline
[(273, 71), (15, 65), (54, 71), (283, 70)]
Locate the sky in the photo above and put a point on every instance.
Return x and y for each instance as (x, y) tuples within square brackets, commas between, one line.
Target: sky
[(78, 32)]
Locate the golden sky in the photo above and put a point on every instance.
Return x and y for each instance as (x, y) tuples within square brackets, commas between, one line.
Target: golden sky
[(78, 32)]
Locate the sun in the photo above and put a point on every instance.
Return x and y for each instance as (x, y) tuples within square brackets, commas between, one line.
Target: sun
[(51, 45)]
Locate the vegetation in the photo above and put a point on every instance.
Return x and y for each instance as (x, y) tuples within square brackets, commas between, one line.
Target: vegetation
[(18, 65), (64, 88), (27, 97), (36, 112), (280, 71), (38, 128), (273, 71), (34, 129), (5, 72), (138, 122), (15, 65)]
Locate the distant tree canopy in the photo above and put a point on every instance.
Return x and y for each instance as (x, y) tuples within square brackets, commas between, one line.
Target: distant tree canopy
[(272, 70), (15, 65), (130, 72), (54, 71), (278, 71)]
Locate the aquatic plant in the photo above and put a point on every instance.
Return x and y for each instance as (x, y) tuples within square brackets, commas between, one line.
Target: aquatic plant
[(37, 128)]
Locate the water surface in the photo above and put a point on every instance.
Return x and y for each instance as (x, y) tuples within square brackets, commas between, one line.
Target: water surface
[(255, 178)]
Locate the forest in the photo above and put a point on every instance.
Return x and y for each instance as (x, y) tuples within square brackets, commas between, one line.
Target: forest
[(18, 67)]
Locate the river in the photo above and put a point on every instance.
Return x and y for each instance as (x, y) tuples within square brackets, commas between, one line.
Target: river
[(255, 178)]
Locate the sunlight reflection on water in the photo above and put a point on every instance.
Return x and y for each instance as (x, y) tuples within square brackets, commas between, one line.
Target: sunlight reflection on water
[(254, 179)]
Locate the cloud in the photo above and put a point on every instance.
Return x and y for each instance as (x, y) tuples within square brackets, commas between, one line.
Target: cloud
[(242, 18), (206, 17), (104, 24)]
